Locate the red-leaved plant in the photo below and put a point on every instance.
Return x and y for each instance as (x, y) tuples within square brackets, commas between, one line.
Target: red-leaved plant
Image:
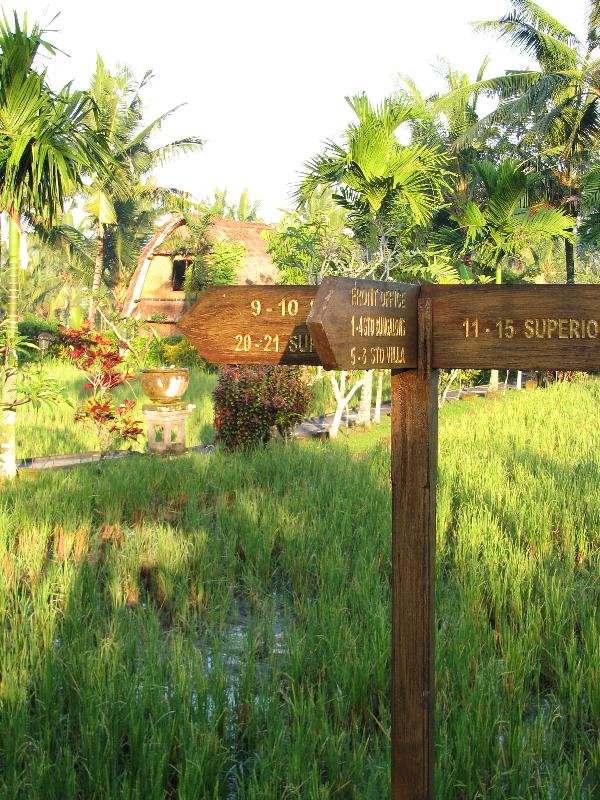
[(251, 401), (98, 357)]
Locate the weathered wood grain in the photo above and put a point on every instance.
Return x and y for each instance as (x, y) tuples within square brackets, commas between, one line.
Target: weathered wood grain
[(414, 467), (516, 327), (359, 324), (252, 325)]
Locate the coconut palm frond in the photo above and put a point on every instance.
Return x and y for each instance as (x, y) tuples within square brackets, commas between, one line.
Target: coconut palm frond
[(66, 238), (593, 25), (550, 223), (588, 229), (535, 15), (164, 154), (591, 188), (528, 25)]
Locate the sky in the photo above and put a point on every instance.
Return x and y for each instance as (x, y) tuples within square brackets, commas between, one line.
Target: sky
[(264, 82)]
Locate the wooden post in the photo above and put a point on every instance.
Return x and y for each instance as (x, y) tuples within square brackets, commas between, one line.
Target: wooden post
[(414, 466), (351, 324)]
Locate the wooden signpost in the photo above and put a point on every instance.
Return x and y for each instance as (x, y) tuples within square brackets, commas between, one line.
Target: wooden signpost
[(414, 331), (515, 327), (365, 324), (252, 325)]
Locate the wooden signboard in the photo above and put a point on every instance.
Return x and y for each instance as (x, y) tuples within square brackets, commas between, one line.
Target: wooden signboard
[(515, 327), (359, 324), (412, 330), (252, 325)]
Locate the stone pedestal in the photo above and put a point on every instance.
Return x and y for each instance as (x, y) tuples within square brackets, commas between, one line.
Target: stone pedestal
[(165, 425)]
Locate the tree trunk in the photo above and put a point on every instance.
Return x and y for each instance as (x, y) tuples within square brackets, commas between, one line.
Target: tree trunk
[(342, 399), (8, 464), (378, 396), (97, 279), (494, 375), (366, 397), (494, 384), (570, 261), (452, 377)]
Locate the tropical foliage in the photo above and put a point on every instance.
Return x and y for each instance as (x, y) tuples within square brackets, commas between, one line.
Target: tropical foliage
[(98, 357), (553, 110), (46, 146), (314, 241), (209, 263), (494, 224), (124, 203), (388, 190)]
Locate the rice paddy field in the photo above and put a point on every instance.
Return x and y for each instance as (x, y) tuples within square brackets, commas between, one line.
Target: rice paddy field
[(219, 626)]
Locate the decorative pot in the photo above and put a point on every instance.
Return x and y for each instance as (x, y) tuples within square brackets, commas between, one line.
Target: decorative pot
[(165, 385)]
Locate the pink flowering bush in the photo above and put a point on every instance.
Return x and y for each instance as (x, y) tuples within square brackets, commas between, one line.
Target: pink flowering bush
[(251, 401)]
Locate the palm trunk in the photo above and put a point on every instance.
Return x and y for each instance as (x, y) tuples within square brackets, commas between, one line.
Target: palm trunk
[(570, 261), (366, 397), (8, 463), (494, 375), (378, 396), (97, 279)]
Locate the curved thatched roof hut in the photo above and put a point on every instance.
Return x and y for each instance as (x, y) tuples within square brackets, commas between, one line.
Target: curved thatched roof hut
[(156, 287)]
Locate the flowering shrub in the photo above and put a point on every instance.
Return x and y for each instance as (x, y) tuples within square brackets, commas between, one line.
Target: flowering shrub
[(98, 357), (250, 401)]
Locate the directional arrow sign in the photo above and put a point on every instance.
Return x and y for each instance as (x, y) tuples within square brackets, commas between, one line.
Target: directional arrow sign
[(252, 325), (516, 327), (365, 324)]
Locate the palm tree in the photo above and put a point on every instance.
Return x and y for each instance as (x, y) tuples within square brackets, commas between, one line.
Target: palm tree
[(60, 266), (45, 146), (388, 190), (495, 223), (448, 116), (123, 205), (555, 108)]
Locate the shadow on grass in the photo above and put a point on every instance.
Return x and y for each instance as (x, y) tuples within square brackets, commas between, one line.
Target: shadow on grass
[(219, 627), (199, 628)]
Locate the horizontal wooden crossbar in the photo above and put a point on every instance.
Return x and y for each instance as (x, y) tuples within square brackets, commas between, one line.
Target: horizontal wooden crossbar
[(351, 324)]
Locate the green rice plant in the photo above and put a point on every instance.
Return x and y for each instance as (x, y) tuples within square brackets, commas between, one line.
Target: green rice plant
[(219, 626)]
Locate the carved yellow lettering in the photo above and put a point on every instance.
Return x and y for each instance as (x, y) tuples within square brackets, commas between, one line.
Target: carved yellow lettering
[(364, 297), (592, 328), (396, 355), (304, 343), (293, 344), (529, 330), (574, 329), (551, 327), (540, 328), (563, 333)]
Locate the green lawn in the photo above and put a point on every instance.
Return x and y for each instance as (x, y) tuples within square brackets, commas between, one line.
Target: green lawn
[(52, 430), (218, 627)]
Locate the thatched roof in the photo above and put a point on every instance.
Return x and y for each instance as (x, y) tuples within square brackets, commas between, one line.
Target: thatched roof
[(256, 265)]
